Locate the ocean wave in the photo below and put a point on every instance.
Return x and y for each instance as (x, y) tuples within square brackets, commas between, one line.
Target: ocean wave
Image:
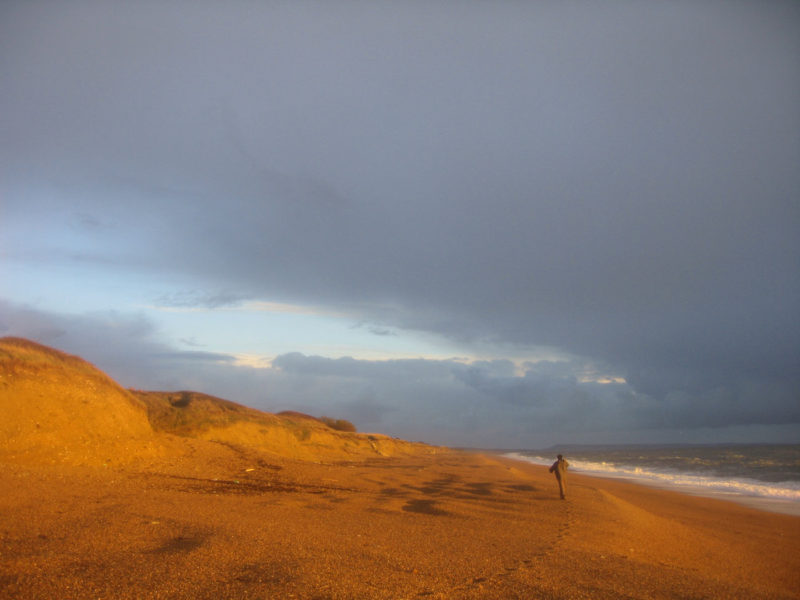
[(785, 490)]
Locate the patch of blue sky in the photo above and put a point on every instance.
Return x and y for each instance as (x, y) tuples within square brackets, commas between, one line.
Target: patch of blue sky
[(262, 331), (255, 332), (71, 286)]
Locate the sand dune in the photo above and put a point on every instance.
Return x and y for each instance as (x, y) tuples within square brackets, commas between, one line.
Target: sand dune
[(58, 408), (289, 433), (216, 508)]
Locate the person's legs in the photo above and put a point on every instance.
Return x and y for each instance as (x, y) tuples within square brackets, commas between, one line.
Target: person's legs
[(561, 487)]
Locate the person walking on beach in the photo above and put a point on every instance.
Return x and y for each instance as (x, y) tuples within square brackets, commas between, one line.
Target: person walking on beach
[(560, 469)]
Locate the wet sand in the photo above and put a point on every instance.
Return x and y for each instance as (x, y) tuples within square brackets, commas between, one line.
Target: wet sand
[(224, 521)]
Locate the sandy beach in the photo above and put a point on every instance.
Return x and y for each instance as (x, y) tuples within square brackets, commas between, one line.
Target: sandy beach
[(214, 520), (107, 494)]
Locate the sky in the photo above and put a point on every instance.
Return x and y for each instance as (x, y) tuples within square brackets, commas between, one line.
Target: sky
[(489, 224)]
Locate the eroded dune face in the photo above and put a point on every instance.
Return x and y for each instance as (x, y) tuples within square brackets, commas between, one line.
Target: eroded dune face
[(60, 407)]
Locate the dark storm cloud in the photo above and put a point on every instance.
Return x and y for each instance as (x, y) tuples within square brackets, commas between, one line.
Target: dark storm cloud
[(618, 182)]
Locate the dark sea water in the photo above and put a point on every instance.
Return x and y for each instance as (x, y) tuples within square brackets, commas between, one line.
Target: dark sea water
[(745, 473)]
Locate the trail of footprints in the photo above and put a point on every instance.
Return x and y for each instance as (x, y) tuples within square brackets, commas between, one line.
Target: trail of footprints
[(478, 582)]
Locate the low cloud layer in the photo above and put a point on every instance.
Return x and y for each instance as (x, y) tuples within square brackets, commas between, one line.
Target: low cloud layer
[(484, 403)]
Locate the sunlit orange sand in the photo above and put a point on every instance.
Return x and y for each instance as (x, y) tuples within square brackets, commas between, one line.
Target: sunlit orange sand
[(216, 521), (137, 513)]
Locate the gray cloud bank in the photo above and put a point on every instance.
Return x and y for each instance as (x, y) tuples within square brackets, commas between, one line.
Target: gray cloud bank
[(619, 182)]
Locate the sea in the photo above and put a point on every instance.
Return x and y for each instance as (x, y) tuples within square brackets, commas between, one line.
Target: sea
[(766, 476)]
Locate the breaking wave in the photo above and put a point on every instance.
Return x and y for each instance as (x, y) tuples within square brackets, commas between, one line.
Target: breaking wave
[(689, 481)]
